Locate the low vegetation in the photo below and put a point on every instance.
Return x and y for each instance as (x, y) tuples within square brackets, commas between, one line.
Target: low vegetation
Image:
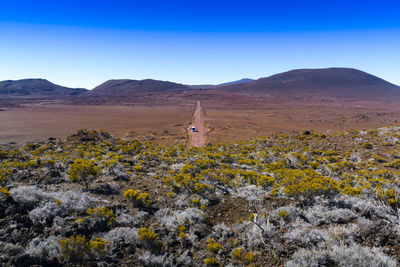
[(298, 199)]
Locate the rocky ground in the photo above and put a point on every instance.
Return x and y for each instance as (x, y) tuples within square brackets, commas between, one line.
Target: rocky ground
[(295, 199)]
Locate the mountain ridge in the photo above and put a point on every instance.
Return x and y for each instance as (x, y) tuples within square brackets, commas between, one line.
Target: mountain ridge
[(340, 82), (334, 82), (128, 86), (36, 88)]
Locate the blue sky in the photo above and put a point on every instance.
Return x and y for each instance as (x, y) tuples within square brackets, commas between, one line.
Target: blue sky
[(84, 43)]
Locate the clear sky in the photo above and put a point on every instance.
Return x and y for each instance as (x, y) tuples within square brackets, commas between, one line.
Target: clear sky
[(84, 43)]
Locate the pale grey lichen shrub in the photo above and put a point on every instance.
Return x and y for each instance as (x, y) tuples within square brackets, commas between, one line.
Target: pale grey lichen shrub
[(364, 227), (343, 256), (376, 210), (7, 249), (48, 211), (76, 201), (291, 160), (174, 219), (148, 259), (29, 196), (121, 235), (48, 205), (177, 166), (124, 219), (306, 236), (357, 255), (342, 234), (59, 224), (355, 157), (292, 213), (184, 259), (319, 215), (221, 232), (256, 232), (251, 192), (347, 233), (45, 247)]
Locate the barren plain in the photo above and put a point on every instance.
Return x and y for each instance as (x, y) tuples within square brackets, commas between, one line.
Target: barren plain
[(163, 124), (226, 117)]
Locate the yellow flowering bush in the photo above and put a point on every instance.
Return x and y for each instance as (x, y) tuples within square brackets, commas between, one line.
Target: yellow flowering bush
[(84, 171), (138, 198), (104, 213)]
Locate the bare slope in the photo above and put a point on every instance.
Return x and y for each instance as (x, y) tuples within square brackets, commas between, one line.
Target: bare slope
[(335, 82), (129, 87), (35, 88)]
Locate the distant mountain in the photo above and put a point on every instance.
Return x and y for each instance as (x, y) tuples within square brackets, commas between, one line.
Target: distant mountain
[(336, 82), (202, 86), (210, 86), (129, 87), (35, 88), (241, 81)]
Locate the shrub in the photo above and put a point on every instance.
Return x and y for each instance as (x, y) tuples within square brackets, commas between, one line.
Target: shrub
[(5, 174), (304, 234), (320, 215), (151, 260), (47, 205), (249, 257), (307, 183), (77, 248), (133, 148), (74, 248), (49, 247), (111, 165), (177, 218), (394, 164), (84, 171), (283, 214), (138, 198), (181, 230), (124, 235), (138, 168), (236, 253), (4, 192), (210, 261), (353, 255), (213, 246), (146, 234), (367, 145), (104, 213), (127, 220)]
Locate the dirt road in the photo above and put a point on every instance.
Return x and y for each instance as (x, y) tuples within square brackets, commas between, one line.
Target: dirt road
[(198, 138)]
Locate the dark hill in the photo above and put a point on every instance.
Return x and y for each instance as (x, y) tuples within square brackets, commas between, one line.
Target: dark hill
[(129, 87), (335, 82), (35, 88), (241, 81)]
